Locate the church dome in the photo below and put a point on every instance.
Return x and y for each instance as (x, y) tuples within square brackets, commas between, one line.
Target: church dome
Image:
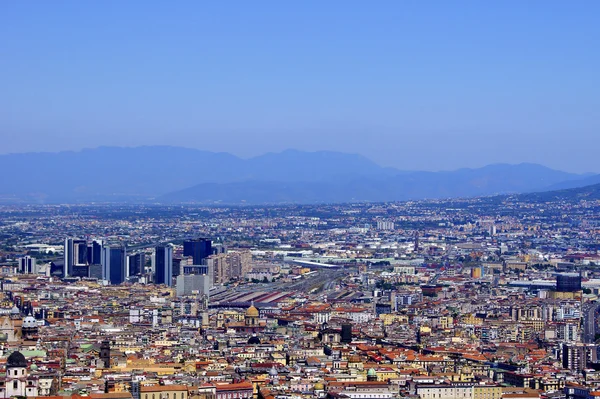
[(254, 340), (372, 373), (29, 322), (319, 386), (252, 312), (16, 359), (34, 367), (15, 311)]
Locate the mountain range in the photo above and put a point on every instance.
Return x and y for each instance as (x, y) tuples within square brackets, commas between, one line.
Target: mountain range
[(174, 175)]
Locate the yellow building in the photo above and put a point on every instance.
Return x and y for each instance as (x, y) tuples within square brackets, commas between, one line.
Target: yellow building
[(487, 392), (565, 295), (164, 392), (471, 319), (230, 315), (389, 319), (385, 373), (446, 322), (535, 325), (515, 265)]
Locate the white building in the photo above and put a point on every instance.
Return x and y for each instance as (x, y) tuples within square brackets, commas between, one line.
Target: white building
[(385, 225), (28, 265), (17, 381), (445, 391)]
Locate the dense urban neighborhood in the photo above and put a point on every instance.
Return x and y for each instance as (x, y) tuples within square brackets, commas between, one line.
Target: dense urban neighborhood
[(483, 298)]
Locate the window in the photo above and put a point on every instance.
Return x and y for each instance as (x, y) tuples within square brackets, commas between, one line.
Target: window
[(16, 372), (15, 384)]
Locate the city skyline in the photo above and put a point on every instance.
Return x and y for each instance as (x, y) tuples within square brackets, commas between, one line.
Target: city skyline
[(299, 200), (474, 298)]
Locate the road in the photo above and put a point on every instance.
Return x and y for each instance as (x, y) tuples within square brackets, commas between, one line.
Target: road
[(590, 321), (434, 279)]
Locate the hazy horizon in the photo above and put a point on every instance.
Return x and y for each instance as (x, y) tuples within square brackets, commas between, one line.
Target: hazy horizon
[(410, 85), (295, 149)]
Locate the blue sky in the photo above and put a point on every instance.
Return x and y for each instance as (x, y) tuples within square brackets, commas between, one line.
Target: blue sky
[(412, 84)]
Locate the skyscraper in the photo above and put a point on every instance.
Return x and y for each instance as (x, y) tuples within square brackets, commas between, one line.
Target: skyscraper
[(68, 253), (163, 265), (75, 255), (27, 265), (199, 249), (136, 263), (113, 264), (96, 257)]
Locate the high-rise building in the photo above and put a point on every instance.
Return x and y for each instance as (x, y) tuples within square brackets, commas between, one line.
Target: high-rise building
[(177, 266), (239, 264), (75, 255), (136, 263), (79, 252), (89, 253), (229, 266), (568, 282), (416, 248), (192, 284), (114, 264), (385, 225), (577, 356), (96, 257), (219, 249), (199, 249), (27, 265), (163, 265), (217, 269), (195, 269), (95, 271)]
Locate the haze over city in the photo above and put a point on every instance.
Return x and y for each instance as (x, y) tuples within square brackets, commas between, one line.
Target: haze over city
[(412, 85)]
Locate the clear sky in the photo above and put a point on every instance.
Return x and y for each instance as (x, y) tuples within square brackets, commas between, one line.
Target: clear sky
[(413, 84)]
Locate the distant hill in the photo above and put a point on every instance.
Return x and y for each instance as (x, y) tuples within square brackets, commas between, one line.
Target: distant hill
[(489, 180), (591, 192), (174, 174), (109, 173), (139, 173), (586, 181)]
